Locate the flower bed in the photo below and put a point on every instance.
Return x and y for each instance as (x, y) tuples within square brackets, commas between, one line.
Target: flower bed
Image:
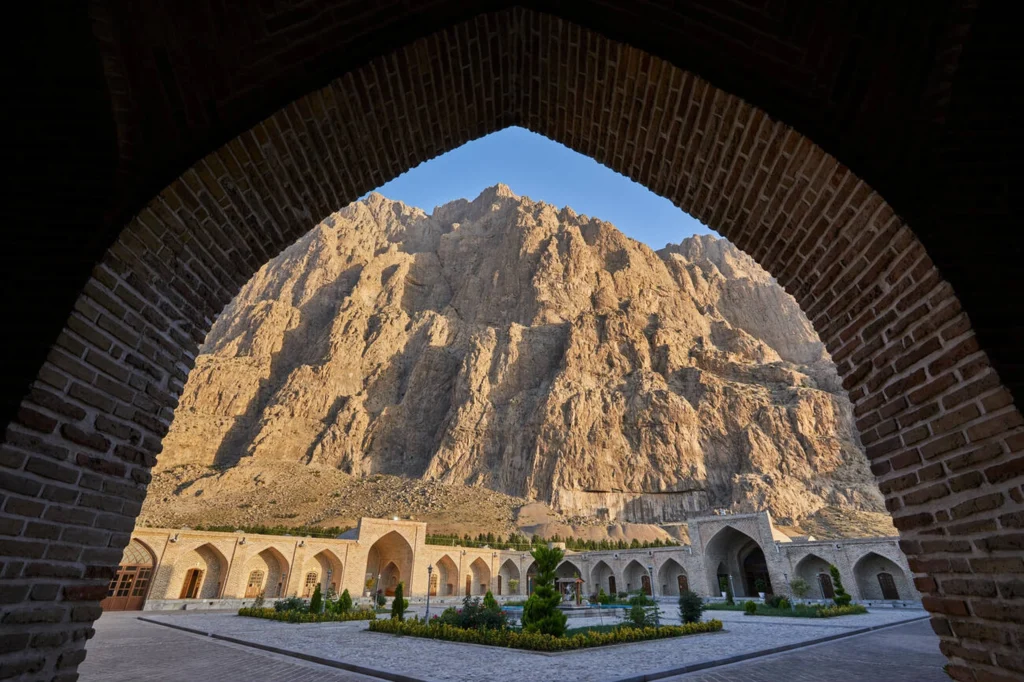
[(810, 611), (514, 639), (300, 617)]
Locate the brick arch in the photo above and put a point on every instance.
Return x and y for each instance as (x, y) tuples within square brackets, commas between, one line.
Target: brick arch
[(941, 431)]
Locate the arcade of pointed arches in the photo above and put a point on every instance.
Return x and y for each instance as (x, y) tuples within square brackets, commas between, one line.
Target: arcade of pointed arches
[(744, 552)]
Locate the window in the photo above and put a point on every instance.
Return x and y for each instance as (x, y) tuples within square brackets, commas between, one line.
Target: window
[(310, 584), (193, 581), (254, 587), (142, 582)]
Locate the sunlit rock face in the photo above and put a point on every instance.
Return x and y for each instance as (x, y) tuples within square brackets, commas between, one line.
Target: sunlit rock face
[(507, 343)]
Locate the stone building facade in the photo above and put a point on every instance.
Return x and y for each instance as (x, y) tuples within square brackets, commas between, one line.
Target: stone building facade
[(188, 569)]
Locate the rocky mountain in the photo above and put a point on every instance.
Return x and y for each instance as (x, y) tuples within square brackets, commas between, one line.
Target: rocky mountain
[(508, 344)]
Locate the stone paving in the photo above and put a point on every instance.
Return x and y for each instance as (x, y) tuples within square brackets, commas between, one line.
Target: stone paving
[(905, 653), (126, 649), (446, 661)]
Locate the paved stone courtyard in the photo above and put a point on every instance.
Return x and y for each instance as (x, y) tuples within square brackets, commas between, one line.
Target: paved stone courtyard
[(126, 648)]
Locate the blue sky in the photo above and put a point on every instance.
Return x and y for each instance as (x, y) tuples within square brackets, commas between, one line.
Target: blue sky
[(536, 167)]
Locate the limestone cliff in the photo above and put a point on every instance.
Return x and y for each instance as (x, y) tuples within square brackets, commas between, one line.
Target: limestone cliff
[(509, 344)]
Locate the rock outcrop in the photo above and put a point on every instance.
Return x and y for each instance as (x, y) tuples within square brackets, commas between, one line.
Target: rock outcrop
[(509, 344)]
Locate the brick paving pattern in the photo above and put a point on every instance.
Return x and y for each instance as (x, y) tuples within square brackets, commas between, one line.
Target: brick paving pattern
[(126, 649), (905, 653), (896, 653)]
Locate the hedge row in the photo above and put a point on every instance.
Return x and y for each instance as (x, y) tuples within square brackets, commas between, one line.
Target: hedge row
[(300, 617), (514, 639)]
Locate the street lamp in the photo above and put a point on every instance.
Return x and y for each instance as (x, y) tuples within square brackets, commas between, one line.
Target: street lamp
[(657, 609), (430, 572)]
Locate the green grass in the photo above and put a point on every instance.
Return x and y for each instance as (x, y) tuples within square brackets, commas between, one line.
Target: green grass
[(722, 606)]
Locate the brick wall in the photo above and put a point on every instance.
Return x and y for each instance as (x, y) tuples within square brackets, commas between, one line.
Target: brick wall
[(943, 435)]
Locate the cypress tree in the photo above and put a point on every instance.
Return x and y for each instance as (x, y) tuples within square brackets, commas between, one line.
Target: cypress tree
[(398, 604), (345, 602), (540, 613), (841, 597), (316, 602)]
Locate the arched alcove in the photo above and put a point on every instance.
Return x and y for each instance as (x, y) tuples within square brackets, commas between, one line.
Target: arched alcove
[(266, 574), (637, 578), (447, 577), (479, 580), (811, 568), (508, 572), (881, 578), (734, 554), (603, 577), (199, 573), (130, 585), (672, 578), (389, 562), (941, 432)]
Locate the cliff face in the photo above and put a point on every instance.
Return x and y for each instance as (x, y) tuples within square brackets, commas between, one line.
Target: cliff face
[(506, 343)]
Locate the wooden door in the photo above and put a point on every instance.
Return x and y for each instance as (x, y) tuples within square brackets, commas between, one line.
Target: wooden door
[(128, 588), (645, 584), (469, 585), (611, 586), (684, 584), (254, 587), (888, 585), (825, 583)]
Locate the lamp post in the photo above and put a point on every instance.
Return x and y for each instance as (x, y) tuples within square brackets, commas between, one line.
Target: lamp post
[(430, 572), (377, 591), (657, 609)]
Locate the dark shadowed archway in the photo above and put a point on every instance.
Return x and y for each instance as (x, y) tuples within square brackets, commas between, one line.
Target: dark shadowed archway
[(940, 429)]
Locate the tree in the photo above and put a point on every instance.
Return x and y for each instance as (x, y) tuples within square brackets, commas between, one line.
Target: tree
[(398, 604), (691, 606), (489, 601), (540, 613), (316, 602), (345, 602), (841, 598), (513, 586), (800, 587)]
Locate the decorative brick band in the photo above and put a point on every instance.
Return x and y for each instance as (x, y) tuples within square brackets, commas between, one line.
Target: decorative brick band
[(944, 437)]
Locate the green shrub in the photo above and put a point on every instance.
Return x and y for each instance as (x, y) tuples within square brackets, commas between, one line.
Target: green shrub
[(602, 597), (760, 585), (291, 604), (489, 601), (345, 602), (800, 587), (540, 613), (643, 611), (784, 603), (841, 598), (774, 601), (316, 602), (399, 603), (538, 641), (750, 608), (381, 599), (475, 615), (305, 617), (691, 606)]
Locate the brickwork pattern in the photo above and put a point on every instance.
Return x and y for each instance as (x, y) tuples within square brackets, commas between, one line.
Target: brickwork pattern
[(943, 435)]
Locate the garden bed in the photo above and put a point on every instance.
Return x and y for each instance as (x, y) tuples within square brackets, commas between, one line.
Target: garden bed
[(514, 639), (305, 617), (807, 611)]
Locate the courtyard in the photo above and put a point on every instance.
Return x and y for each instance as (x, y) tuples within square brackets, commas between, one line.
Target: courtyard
[(890, 644)]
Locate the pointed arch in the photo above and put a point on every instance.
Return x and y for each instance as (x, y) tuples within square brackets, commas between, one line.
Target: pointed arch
[(128, 589), (390, 557), (568, 569), (506, 574), (266, 573), (672, 578), (637, 577), (447, 577), (739, 558), (199, 573), (602, 577), (880, 578), (531, 576), (328, 569), (481, 576), (815, 572)]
